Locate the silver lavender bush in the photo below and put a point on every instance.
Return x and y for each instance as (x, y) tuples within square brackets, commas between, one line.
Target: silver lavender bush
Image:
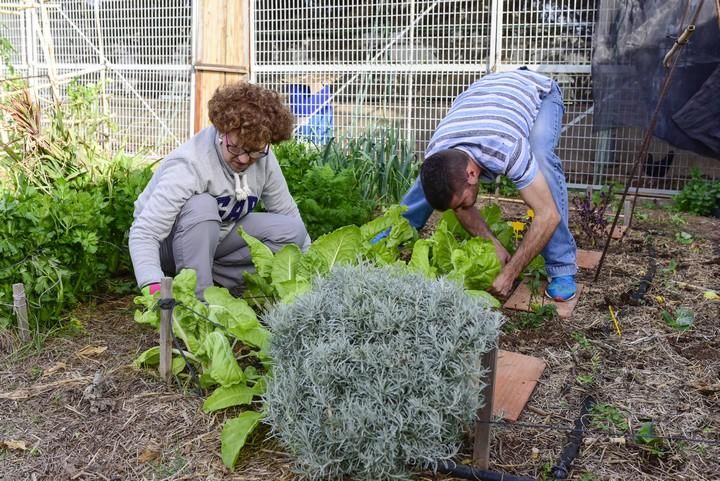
[(376, 370)]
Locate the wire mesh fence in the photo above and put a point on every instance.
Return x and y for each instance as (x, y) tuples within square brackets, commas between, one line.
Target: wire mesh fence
[(346, 67), (351, 67), (140, 50)]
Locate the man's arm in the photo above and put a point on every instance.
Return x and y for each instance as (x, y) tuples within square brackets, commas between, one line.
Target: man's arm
[(538, 197), (473, 222)]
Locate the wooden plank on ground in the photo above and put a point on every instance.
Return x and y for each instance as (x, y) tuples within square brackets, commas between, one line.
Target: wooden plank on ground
[(523, 300), (516, 376), (588, 259), (619, 231)]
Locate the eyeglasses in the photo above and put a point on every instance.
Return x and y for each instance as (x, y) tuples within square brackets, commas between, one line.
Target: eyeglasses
[(238, 151)]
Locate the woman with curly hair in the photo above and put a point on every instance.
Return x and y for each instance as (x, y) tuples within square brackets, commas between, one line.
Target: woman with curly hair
[(189, 213)]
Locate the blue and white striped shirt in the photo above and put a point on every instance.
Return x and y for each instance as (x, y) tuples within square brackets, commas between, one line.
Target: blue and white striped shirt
[(491, 121)]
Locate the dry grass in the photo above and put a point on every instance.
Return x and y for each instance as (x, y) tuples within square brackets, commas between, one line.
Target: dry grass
[(86, 413)]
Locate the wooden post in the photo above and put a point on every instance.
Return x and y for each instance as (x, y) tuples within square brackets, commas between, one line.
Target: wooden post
[(222, 50), (165, 329), (589, 192), (481, 447), (20, 308)]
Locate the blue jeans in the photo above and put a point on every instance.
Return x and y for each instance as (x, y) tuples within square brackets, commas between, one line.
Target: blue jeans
[(559, 253)]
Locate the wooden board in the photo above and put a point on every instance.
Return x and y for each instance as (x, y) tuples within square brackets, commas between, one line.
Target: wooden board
[(618, 232), (515, 379), (521, 300), (222, 41), (588, 259)]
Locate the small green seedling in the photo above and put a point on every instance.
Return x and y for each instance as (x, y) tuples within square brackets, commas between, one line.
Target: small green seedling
[(607, 417), (671, 268), (582, 341), (646, 436), (532, 320), (684, 238), (681, 319), (585, 379), (677, 221)]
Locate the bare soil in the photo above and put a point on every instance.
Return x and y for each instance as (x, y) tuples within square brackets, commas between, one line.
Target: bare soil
[(74, 407)]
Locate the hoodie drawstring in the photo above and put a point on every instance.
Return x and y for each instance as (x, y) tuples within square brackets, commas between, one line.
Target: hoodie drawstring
[(242, 191)]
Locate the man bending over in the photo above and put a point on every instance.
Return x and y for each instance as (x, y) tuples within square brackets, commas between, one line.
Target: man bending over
[(503, 124)]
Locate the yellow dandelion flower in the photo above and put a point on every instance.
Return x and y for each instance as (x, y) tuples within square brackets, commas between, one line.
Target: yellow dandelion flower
[(530, 213), (518, 226)]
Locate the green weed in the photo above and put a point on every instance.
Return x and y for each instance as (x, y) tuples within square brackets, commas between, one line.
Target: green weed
[(581, 340), (531, 320), (607, 417)]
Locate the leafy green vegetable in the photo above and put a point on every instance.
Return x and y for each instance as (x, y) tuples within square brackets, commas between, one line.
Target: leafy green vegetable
[(475, 264), (328, 196), (225, 397), (699, 196), (420, 260), (66, 202), (209, 332), (261, 254), (234, 434)]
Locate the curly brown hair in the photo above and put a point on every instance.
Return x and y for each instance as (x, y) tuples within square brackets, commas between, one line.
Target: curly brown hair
[(258, 115)]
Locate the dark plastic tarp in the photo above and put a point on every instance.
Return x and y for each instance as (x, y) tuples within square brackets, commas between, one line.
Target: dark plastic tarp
[(630, 41)]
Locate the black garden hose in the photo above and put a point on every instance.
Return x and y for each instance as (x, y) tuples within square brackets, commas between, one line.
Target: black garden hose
[(635, 297), (470, 472), (562, 468)]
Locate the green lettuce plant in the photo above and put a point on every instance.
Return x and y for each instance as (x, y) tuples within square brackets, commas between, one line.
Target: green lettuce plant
[(450, 252), (376, 369), (227, 346)]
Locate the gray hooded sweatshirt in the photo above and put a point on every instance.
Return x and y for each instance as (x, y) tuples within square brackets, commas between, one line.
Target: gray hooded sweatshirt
[(197, 167)]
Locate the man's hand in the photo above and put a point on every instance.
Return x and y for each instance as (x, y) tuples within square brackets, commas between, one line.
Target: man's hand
[(501, 286), (502, 253)]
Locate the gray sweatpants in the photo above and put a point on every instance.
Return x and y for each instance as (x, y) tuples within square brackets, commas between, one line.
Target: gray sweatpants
[(194, 242)]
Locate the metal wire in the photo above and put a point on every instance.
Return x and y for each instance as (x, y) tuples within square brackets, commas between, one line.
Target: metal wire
[(141, 47), (552, 427), (400, 65)]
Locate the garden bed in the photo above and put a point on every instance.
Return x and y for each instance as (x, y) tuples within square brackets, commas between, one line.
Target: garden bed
[(128, 425)]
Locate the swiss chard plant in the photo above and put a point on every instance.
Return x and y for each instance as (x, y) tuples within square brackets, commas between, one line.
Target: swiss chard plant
[(225, 343), (289, 272)]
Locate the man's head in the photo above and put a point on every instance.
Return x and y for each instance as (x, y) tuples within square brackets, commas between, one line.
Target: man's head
[(450, 179)]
